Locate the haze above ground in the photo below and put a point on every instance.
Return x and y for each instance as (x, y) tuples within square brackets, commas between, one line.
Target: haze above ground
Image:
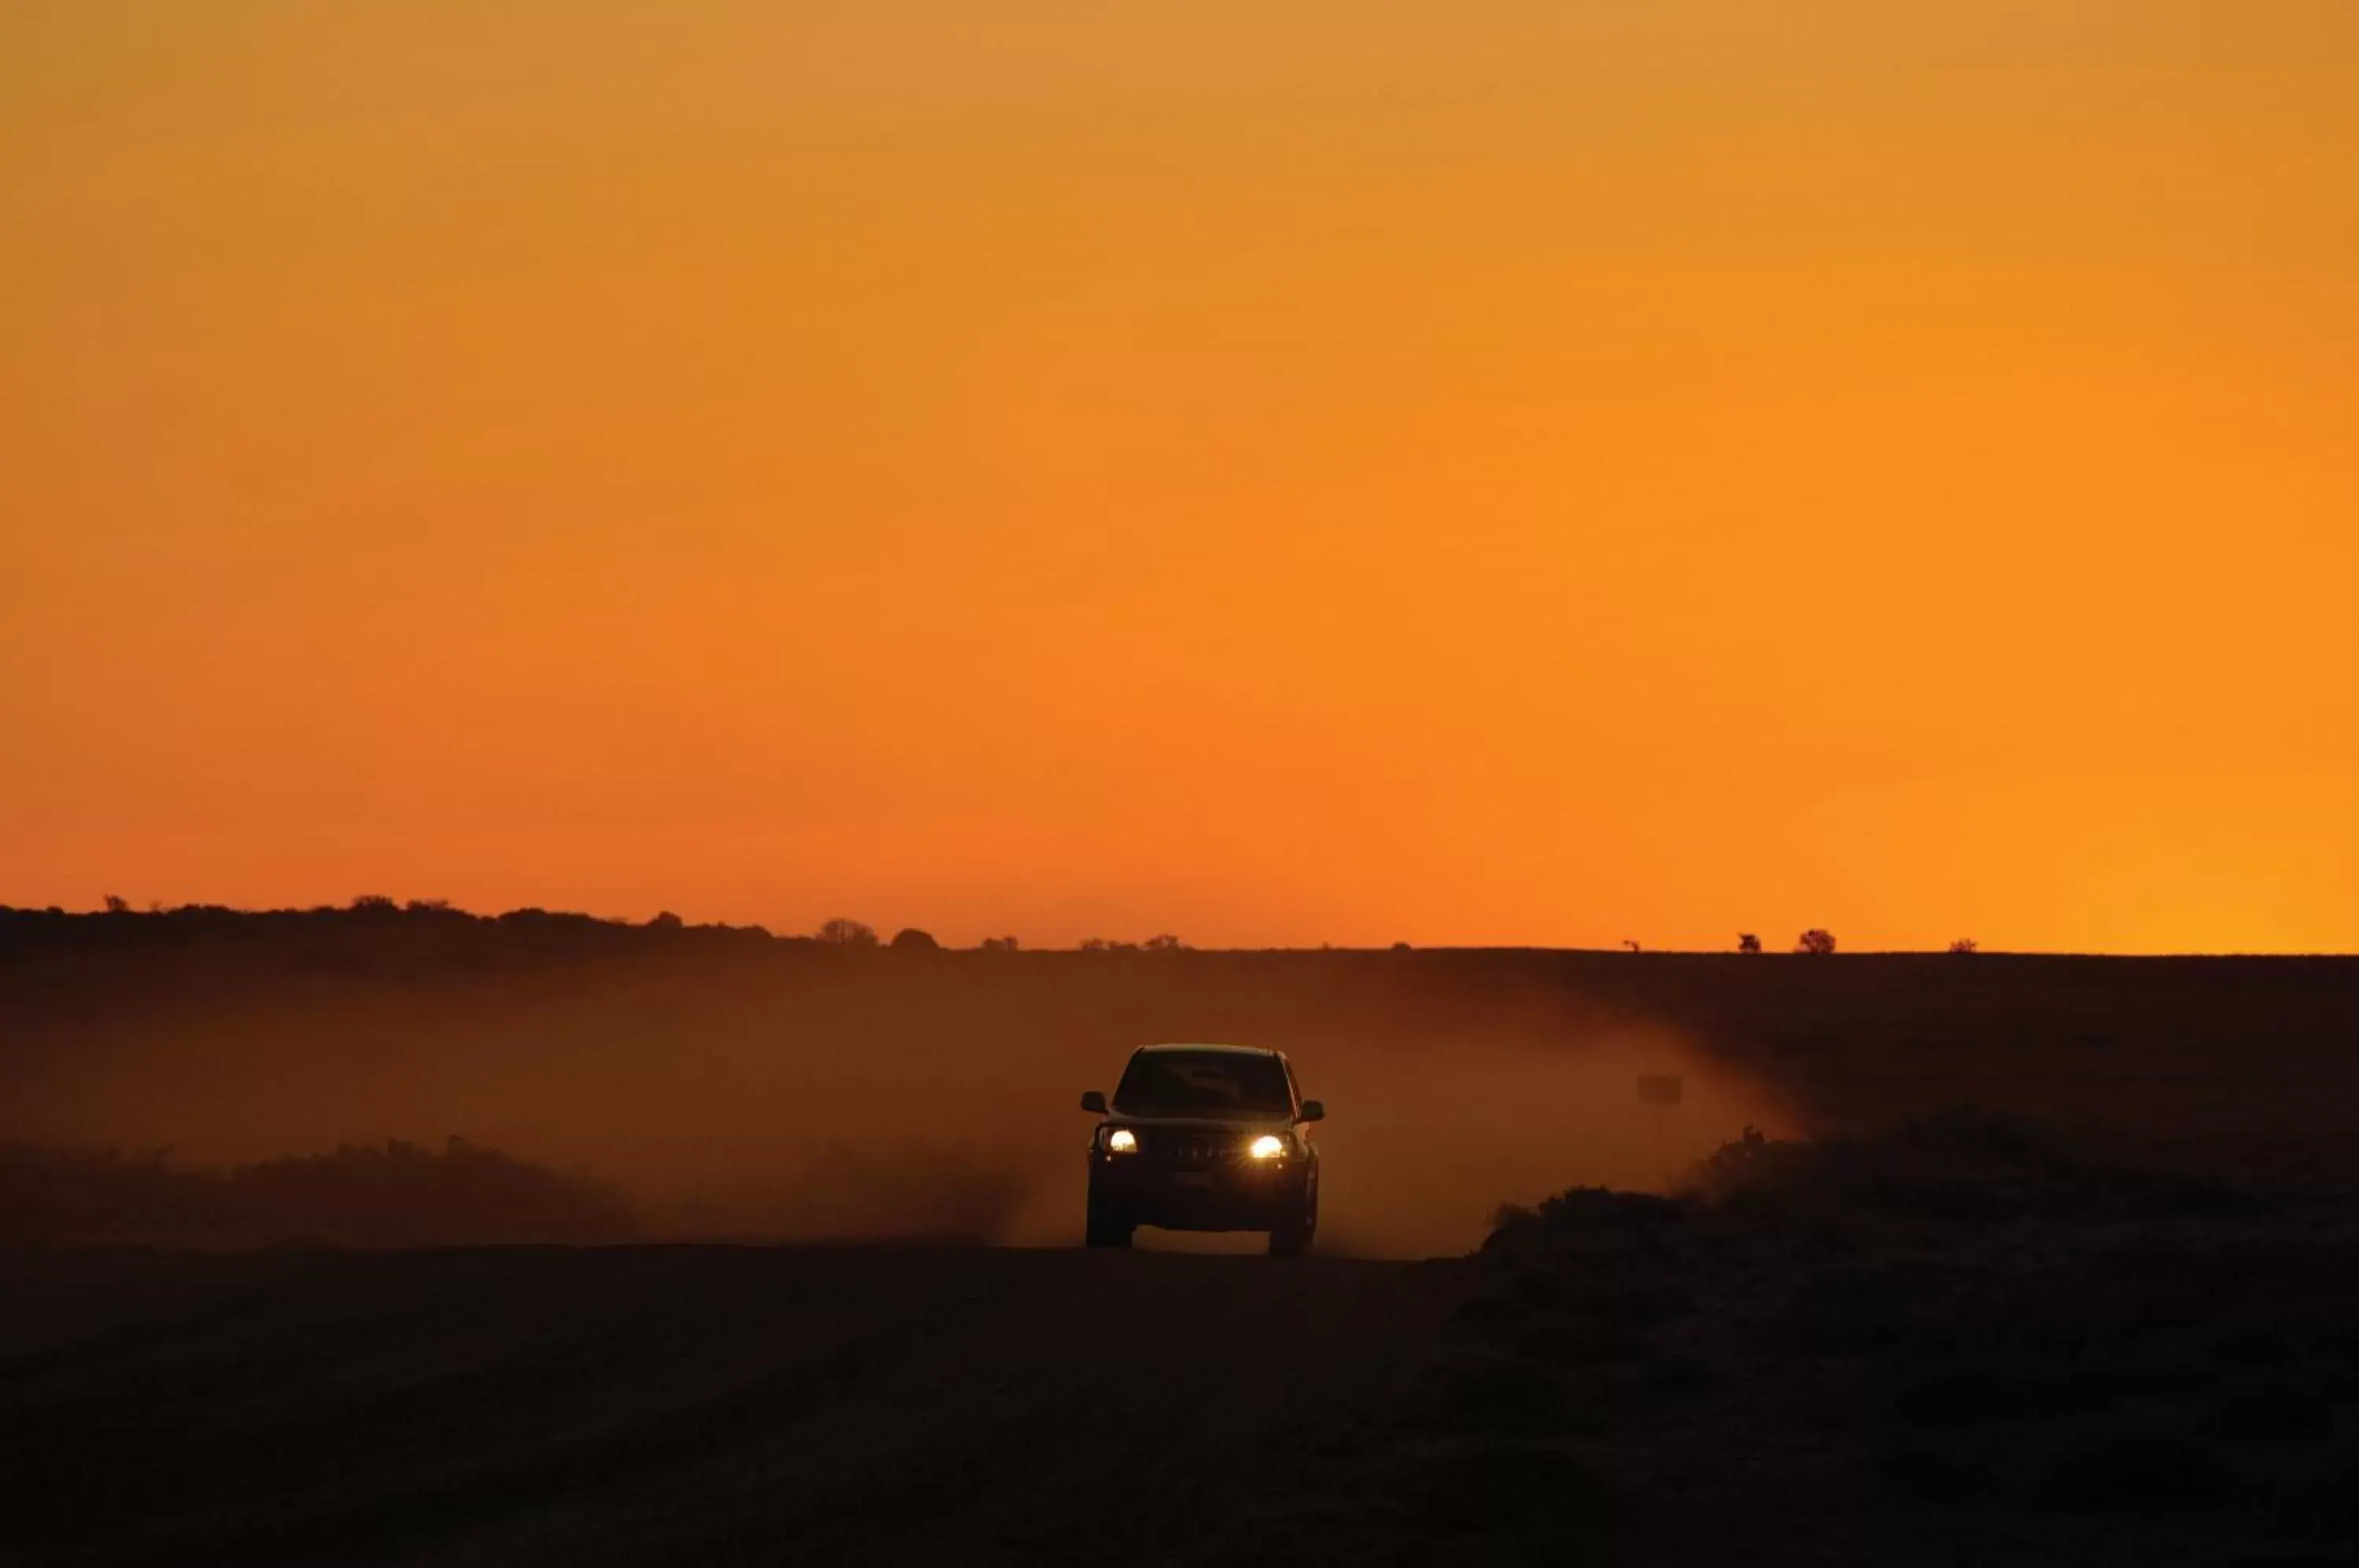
[(1486, 474)]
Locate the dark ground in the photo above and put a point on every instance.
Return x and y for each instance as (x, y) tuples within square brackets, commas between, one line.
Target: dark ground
[(1966, 1341), (684, 1404), (2113, 1315)]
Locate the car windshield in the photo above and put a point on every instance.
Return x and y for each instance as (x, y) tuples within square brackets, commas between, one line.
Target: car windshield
[(1192, 1080)]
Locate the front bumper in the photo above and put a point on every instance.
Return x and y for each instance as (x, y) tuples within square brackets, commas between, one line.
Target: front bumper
[(1241, 1195)]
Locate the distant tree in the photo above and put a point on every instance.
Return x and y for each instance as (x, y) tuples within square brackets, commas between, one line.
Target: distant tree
[(841, 932), (999, 944), (1816, 940), (375, 904), (428, 906), (1747, 943), (909, 939), (117, 905), (1403, 947), (664, 920), (1166, 943), (1965, 946), (1096, 944)]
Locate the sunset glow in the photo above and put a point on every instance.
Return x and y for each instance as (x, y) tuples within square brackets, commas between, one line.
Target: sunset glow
[(1517, 472)]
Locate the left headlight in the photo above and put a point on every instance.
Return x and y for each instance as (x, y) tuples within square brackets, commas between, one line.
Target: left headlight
[(1266, 1147), (1121, 1140)]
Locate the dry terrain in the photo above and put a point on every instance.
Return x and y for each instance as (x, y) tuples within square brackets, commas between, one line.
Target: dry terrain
[(683, 1404), (1971, 1259)]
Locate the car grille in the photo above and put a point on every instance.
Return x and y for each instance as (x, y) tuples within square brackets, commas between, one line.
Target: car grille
[(1192, 1147)]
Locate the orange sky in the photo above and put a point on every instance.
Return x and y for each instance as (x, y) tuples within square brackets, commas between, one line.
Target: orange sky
[(1280, 473)]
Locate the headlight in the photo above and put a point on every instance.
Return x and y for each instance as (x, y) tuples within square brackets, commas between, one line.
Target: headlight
[(1266, 1147), (1121, 1140)]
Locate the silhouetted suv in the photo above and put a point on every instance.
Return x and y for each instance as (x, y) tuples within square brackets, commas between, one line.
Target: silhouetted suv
[(1204, 1137)]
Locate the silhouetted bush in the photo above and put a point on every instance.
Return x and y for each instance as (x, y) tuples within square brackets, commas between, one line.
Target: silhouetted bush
[(909, 939), (1972, 1309), (841, 932), (1748, 942), (396, 1194), (1816, 941), (1165, 943), (1960, 1164), (998, 944), (1965, 946)]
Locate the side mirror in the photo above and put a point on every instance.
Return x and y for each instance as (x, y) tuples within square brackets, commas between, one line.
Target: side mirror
[(1093, 1103), (1312, 1111)]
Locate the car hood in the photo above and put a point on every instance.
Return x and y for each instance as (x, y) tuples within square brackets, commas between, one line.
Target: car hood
[(1231, 1121)]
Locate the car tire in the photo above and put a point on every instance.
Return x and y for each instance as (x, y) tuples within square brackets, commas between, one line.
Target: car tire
[(1298, 1222), (1107, 1226)]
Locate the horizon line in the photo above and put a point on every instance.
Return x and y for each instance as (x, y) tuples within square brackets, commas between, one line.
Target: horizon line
[(379, 908)]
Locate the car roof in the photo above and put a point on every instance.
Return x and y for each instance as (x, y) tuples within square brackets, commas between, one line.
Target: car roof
[(1231, 1050)]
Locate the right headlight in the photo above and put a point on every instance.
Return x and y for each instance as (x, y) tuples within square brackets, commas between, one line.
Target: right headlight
[(1121, 1140)]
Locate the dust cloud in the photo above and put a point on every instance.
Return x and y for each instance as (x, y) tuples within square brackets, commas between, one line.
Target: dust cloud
[(1427, 1143), (776, 1094)]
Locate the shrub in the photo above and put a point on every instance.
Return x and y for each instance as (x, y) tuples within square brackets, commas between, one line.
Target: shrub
[(909, 939), (1817, 940), (397, 1194), (1960, 1164), (841, 932), (1747, 943)]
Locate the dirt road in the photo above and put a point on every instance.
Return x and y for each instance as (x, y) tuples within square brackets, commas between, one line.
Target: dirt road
[(683, 1404)]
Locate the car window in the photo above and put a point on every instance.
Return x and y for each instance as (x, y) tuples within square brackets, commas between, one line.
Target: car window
[(1180, 1082)]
